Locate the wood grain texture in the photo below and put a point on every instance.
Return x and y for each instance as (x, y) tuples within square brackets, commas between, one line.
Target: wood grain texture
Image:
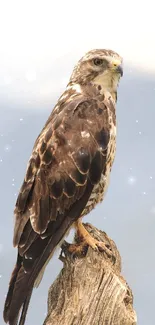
[(90, 289)]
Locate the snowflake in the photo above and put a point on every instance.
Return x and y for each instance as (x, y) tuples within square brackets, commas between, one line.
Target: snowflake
[(131, 180), (7, 148)]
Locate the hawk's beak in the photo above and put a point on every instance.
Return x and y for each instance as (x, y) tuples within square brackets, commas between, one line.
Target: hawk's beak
[(117, 66), (119, 69)]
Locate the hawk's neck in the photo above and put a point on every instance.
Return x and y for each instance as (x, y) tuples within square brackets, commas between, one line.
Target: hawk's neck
[(92, 88)]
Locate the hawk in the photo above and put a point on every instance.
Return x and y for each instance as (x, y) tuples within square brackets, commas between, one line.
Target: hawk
[(67, 174)]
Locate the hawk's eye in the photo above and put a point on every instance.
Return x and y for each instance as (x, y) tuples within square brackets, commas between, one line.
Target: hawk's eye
[(98, 61)]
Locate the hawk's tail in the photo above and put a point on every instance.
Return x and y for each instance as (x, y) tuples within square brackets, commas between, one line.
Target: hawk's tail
[(22, 283), (29, 266), (14, 299)]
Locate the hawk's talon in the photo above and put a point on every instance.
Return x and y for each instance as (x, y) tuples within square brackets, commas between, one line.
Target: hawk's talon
[(103, 248), (91, 241)]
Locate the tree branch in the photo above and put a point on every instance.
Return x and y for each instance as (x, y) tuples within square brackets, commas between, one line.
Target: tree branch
[(90, 289)]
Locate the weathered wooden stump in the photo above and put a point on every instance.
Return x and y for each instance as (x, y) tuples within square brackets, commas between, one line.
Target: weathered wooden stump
[(90, 289)]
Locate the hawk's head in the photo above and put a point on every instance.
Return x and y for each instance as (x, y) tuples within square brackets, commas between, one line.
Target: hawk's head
[(101, 67)]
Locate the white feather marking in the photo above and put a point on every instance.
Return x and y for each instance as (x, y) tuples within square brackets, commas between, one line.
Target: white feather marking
[(75, 87), (85, 134), (69, 142)]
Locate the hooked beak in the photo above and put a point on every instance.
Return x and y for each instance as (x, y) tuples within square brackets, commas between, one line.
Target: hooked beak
[(119, 69), (116, 66)]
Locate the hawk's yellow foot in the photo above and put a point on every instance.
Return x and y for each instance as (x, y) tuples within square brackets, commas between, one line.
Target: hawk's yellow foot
[(89, 240)]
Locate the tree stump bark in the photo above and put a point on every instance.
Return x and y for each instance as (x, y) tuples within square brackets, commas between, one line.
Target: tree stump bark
[(90, 289)]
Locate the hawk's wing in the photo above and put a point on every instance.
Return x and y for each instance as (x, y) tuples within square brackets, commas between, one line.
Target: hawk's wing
[(67, 160)]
